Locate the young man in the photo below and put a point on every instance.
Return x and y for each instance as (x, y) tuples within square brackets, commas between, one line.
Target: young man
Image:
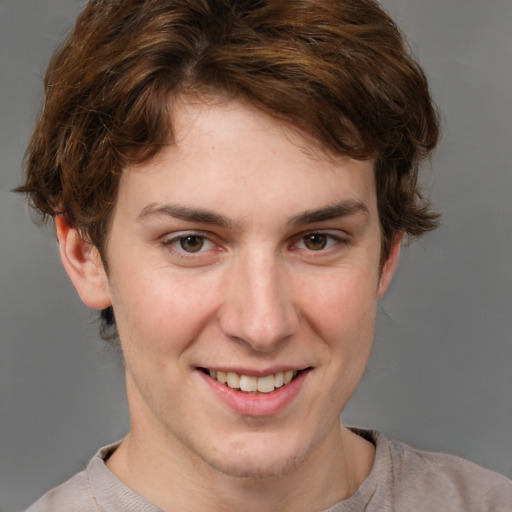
[(230, 184)]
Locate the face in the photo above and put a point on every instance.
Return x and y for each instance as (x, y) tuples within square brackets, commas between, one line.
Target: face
[(244, 253)]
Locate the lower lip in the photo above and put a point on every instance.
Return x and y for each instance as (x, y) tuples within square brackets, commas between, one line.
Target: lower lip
[(264, 404)]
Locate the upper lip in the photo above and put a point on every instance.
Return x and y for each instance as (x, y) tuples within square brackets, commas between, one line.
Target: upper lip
[(256, 372)]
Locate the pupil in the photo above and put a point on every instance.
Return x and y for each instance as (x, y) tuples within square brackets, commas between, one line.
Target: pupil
[(191, 243), (315, 241)]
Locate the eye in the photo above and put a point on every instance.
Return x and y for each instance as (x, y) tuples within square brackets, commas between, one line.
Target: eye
[(317, 241), (191, 243)]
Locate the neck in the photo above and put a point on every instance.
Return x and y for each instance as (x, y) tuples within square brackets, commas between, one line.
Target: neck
[(175, 479)]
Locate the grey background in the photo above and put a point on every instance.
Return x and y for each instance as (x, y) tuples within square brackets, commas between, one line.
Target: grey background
[(440, 376)]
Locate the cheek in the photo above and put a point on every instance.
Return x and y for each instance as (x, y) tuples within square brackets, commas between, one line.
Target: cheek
[(158, 312), (342, 304)]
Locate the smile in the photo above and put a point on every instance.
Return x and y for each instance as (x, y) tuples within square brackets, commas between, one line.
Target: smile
[(263, 394), (252, 384)]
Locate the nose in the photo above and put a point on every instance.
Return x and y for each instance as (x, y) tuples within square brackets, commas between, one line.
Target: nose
[(258, 308)]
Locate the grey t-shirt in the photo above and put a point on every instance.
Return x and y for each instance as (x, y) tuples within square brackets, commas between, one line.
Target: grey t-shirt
[(402, 479)]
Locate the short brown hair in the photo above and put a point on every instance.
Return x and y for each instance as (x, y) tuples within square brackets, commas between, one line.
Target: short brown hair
[(338, 70)]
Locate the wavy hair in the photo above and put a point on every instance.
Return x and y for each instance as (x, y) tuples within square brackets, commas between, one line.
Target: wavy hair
[(338, 70)]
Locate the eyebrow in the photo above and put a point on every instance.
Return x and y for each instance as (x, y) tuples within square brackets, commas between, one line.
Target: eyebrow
[(185, 213), (344, 208)]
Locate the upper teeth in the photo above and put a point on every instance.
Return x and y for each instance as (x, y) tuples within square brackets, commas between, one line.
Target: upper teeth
[(265, 384)]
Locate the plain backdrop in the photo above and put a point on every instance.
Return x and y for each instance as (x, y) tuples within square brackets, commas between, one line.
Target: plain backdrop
[(440, 376)]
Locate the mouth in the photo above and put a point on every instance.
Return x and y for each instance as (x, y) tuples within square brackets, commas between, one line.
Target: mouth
[(251, 384)]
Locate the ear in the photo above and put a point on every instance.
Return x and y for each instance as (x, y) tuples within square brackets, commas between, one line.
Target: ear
[(83, 265), (389, 266)]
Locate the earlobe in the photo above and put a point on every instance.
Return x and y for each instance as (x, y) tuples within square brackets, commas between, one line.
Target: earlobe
[(389, 266), (83, 265)]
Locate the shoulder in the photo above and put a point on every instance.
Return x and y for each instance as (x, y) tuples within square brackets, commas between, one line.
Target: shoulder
[(75, 495), (80, 493), (447, 481), (93, 490), (405, 478)]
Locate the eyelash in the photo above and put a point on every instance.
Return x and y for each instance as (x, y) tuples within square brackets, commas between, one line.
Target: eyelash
[(332, 241), (174, 243)]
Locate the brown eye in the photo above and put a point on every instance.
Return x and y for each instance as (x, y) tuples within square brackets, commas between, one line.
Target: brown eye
[(315, 241), (192, 243)]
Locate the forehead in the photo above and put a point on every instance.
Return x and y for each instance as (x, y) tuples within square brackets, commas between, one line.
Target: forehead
[(233, 156)]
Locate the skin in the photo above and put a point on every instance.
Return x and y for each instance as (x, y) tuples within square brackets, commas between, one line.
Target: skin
[(261, 294)]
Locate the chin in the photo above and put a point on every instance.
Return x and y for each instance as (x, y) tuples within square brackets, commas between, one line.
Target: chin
[(256, 469), (255, 460)]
